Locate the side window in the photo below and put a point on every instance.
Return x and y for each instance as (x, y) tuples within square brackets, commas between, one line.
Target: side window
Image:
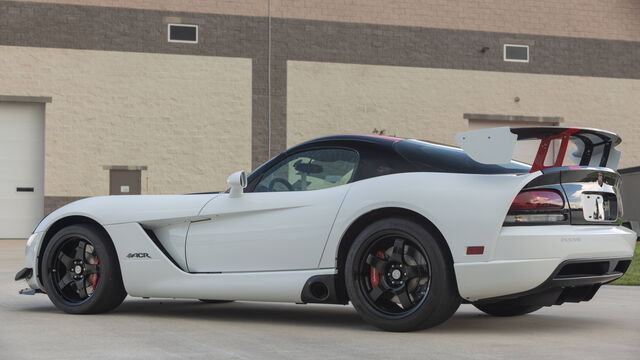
[(310, 170)]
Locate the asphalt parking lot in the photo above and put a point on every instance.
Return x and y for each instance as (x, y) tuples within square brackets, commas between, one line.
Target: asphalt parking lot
[(32, 328)]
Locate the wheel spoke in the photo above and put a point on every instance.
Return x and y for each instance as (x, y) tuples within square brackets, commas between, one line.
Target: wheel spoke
[(405, 300), (81, 288), (414, 271), (65, 260), (378, 291), (91, 269), (65, 281), (398, 251), (80, 250), (377, 263), (413, 253)]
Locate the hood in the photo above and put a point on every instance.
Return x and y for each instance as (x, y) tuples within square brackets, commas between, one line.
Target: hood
[(107, 210)]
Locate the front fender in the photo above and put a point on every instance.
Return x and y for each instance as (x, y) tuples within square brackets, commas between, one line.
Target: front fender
[(108, 210)]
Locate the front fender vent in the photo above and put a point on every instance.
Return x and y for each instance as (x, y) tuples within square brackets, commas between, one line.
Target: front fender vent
[(158, 244)]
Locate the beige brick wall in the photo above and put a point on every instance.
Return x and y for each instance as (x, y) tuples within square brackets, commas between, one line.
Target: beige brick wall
[(429, 104), (188, 118), (605, 19)]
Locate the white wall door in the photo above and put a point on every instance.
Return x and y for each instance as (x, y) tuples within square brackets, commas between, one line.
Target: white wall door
[(21, 168)]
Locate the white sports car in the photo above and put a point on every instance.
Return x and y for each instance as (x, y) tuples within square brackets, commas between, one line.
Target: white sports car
[(405, 230)]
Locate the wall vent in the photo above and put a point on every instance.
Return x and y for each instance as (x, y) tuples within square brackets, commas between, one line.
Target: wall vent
[(517, 53), (183, 33)]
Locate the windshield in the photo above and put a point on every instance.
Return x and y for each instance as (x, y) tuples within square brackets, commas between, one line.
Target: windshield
[(441, 158)]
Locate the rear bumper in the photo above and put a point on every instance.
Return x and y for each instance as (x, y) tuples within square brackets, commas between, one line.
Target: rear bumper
[(572, 281), (527, 257)]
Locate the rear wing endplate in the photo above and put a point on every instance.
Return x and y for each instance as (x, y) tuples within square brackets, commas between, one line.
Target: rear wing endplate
[(593, 147)]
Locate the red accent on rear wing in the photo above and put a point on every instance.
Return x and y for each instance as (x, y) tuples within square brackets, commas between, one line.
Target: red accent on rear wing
[(538, 163), (591, 143), (593, 147)]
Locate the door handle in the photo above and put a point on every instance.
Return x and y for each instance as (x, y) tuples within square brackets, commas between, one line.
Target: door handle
[(24, 189)]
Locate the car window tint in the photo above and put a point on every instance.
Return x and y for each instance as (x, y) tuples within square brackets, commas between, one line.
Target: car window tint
[(310, 170)]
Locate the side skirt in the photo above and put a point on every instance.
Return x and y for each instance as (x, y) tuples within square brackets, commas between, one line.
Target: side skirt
[(152, 274)]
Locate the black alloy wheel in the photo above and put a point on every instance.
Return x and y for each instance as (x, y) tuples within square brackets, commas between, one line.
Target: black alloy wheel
[(395, 273), (76, 269), (399, 278), (80, 271)]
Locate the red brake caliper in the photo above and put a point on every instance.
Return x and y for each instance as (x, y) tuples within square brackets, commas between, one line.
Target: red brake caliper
[(94, 277), (375, 276)]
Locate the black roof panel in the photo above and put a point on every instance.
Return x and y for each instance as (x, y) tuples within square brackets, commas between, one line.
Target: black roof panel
[(378, 139)]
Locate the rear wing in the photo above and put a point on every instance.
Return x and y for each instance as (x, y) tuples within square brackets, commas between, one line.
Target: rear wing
[(593, 147)]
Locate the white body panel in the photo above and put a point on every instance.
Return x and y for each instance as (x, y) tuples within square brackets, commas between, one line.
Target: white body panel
[(263, 231), (525, 256), (21, 165), (108, 210), (467, 209), (298, 234), (158, 277)]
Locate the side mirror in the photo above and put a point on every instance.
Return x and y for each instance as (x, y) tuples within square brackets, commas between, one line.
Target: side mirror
[(237, 181)]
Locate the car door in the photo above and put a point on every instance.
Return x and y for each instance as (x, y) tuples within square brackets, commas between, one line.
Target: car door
[(283, 224)]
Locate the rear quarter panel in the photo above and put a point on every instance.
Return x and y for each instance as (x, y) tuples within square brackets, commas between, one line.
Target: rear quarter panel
[(468, 209)]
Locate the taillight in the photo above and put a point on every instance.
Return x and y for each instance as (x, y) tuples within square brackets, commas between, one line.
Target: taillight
[(538, 200), (541, 206)]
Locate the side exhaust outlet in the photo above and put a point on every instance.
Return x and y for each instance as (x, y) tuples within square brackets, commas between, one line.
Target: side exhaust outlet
[(322, 289), (319, 291)]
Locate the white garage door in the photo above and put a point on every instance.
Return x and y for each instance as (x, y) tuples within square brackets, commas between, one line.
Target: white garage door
[(21, 168)]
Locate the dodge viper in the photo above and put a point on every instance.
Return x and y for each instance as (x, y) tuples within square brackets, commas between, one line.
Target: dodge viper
[(404, 230)]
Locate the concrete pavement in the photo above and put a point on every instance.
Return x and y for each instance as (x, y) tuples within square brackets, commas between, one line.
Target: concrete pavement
[(32, 328)]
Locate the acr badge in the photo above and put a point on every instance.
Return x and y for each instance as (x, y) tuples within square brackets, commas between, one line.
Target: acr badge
[(138, 256)]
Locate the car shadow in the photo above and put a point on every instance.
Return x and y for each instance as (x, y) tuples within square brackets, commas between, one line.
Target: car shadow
[(469, 321), (466, 320), (248, 312)]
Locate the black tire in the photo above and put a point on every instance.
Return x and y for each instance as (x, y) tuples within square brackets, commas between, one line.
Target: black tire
[(80, 271), (405, 297), (216, 301), (513, 307)]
